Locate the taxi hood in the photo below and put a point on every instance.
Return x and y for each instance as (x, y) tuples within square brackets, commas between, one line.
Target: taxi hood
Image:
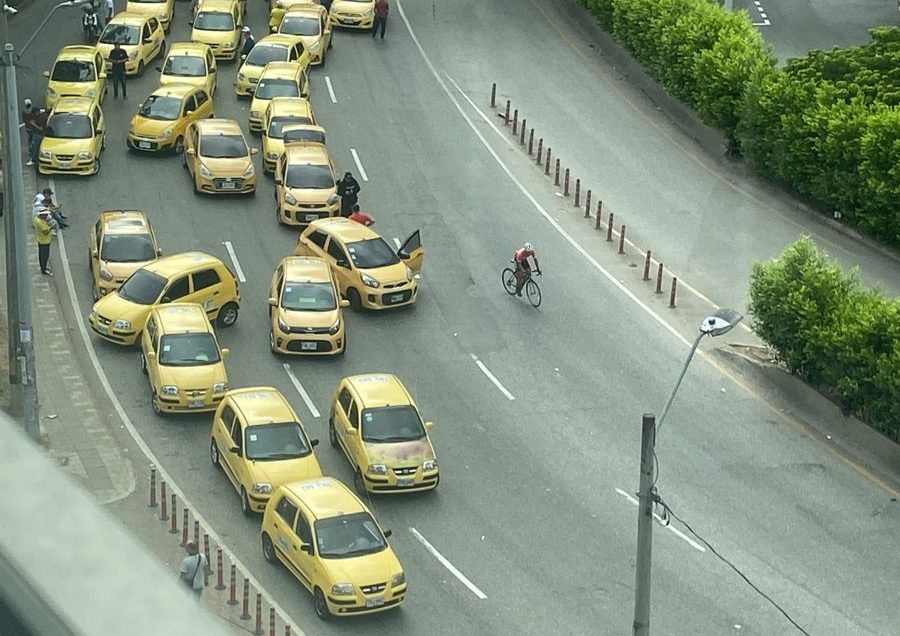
[(278, 472), (400, 452), (381, 566)]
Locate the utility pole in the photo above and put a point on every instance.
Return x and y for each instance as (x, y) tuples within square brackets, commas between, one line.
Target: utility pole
[(641, 626)]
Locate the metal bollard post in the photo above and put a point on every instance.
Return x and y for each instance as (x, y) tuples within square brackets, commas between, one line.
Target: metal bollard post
[(515, 120), (506, 114), (232, 599), (163, 510), (647, 266), (271, 621), (206, 554), (622, 241), (609, 227), (197, 533), (531, 142), (245, 614), (540, 153), (153, 487), (174, 528), (587, 205), (566, 185), (522, 132), (184, 527), (547, 166), (556, 178), (577, 193), (258, 629), (672, 295), (287, 630), (220, 575), (659, 273), (494, 95), (599, 220)]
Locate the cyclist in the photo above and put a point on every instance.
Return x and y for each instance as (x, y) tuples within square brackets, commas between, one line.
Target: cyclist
[(523, 268)]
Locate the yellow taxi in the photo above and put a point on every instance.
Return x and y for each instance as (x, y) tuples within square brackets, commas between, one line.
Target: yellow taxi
[(73, 138), (305, 308), (189, 63), (162, 120), (277, 134), (278, 79), (277, 9), (218, 159), (163, 10), (189, 277), (281, 112), (376, 424), (353, 14), (182, 359), (141, 36), (310, 23), (305, 184), (218, 24), (327, 538), (271, 48), (119, 243), (260, 444), (79, 71), (370, 274)]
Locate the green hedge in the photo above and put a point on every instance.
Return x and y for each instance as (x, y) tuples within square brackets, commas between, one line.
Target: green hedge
[(826, 126), (825, 327)]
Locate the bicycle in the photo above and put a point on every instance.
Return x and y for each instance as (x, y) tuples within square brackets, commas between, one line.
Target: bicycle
[(532, 291)]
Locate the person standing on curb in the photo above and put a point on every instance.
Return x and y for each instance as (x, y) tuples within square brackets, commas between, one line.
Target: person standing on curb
[(194, 568), (44, 235), (117, 58), (347, 189), (381, 14)]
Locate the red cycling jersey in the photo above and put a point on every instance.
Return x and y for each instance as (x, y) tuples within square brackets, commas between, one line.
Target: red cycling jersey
[(522, 255)]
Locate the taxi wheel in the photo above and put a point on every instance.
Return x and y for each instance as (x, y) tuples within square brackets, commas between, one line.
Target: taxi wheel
[(140, 69), (154, 404), (228, 315), (321, 605), (184, 161), (96, 166), (278, 215), (355, 300), (268, 549), (272, 342), (332, 434), (213, 453), (179, 146), (359, 484), (143, 364), (245, 503)]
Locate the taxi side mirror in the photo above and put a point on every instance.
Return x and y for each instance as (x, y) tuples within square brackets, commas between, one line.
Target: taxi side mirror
[(159, 252), (158, 69), (191, 23), (429, 426), (314, 442), (253, 151), (150, 355), (279, 182), (352, 432), (226, 352), (387, 533), (236, 450), (307, 547), (342, 262), (46, 73), (95, 254), (102, 75), (190, 152), (243, 57), (344, 303), (272, 302)]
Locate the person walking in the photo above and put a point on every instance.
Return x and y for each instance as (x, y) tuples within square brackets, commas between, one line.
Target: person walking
[(381, 14), (110, 10), (249, 41), (44, 234), (33, 130), (194, 568), (117, 58), (347, 189)]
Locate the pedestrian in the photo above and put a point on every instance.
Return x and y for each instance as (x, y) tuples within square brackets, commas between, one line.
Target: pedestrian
[(347, 189), (117, 58), (249, 42), (110, 10), (33, 130), (381, 14), (193, 569), (44, 234), (44, 200), (362, 217)]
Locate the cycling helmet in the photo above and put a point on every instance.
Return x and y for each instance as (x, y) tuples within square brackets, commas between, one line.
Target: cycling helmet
[(528, 247)]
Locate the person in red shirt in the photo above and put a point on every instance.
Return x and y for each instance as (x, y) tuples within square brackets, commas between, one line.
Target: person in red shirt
[(381, 13), (523, 267), (361, 217)]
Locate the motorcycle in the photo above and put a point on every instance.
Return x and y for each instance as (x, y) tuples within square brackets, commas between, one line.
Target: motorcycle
[(90, 24)]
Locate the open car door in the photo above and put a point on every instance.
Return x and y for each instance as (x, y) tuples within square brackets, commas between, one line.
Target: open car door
[(412, 252)]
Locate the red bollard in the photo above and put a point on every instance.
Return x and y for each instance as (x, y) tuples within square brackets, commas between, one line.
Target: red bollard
[(506, 114), (540, 150), (258, 629), (587, 205), (220, 578), (245, 614), (659, 273), (153, 488), (522, 132), (531, 142), (547, 166), (232, 599), (599, 215), (647, 266), (609, 226), (206, 554), (184, 527), (622, 241), (566, 185), (271, 621), (672, 295), (515, 120), (577, 193), (197, 533), (494, 95), (163, 511), (556, 178), (174, 528)]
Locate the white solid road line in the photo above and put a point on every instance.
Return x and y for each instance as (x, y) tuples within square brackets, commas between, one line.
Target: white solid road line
[(362, 171), (296, 382), (490, 376), (440, 557), (397, 242), (234, 259), (330, 90), (678, 533), (129, 425)]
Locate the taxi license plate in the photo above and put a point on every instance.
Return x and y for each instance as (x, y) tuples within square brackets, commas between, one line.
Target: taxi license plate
[(378, 601), (348, 21), (404, 483), (396, 298), (312, 217), (65, 164), (307, 346), (144, 144), (229, 185), (195, 404)]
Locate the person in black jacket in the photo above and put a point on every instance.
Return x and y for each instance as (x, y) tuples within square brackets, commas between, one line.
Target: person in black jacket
[(347, 189), (249, 42)]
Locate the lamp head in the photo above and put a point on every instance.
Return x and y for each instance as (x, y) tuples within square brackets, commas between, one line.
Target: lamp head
[(721, 322)]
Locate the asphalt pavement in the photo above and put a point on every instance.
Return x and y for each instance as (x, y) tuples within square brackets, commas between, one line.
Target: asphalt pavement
[(529, 511)]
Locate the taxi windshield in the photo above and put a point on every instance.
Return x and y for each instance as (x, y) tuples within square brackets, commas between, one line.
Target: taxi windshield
[(276, 126), (300, 25), (69, 126), (302, 134), (188, 350), (127, 34), (127, 248), (223, 146), (284, 440), (214, 21), (308, 297), (162, 107), (372, 253), (309, 176), (185, 66), (347, 536), (387, 424), (269, 88), (73, 71), (142, 287), (262, 54)]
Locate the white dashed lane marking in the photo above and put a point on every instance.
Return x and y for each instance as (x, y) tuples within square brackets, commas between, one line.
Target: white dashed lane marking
[(678, 533), (440, 557), (490, 376), (234, 260), (762, 14), (330, 90), (303, 394), (359, 166)]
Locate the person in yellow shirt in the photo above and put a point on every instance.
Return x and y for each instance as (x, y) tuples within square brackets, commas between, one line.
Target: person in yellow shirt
[(44, 235)]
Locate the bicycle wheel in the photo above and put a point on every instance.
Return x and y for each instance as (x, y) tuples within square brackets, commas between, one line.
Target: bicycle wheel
[(533, 292), (508, 276)]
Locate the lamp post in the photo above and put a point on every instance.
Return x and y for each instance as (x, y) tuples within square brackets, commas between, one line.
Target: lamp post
[(23, 387), (721, 322)]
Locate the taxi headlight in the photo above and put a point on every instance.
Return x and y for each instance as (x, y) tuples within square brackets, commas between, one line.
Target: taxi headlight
[(168, 389), (409, 275), (161, 16), (290, 199), (314, 47), (332, 199), (132, 56), (121, 323), (93, 315), (377, 469), (399, 579), (228, 46), (105, 274), (262, 488), (249, 171), (429, 464), (271, 155), (285, 328), (335, 327), (52, 93), (46, 154), (166, 133), (220, 387), (242, 77), (370, 282), (91, 92), (205, 171), (255, 114), (131, 128), (85, 155), (342, 589)]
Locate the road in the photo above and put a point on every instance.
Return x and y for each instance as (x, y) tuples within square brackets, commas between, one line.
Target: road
[(528, 509)]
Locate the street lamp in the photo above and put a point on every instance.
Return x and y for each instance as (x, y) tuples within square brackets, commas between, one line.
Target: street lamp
[(721, 322), (23, 379)]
